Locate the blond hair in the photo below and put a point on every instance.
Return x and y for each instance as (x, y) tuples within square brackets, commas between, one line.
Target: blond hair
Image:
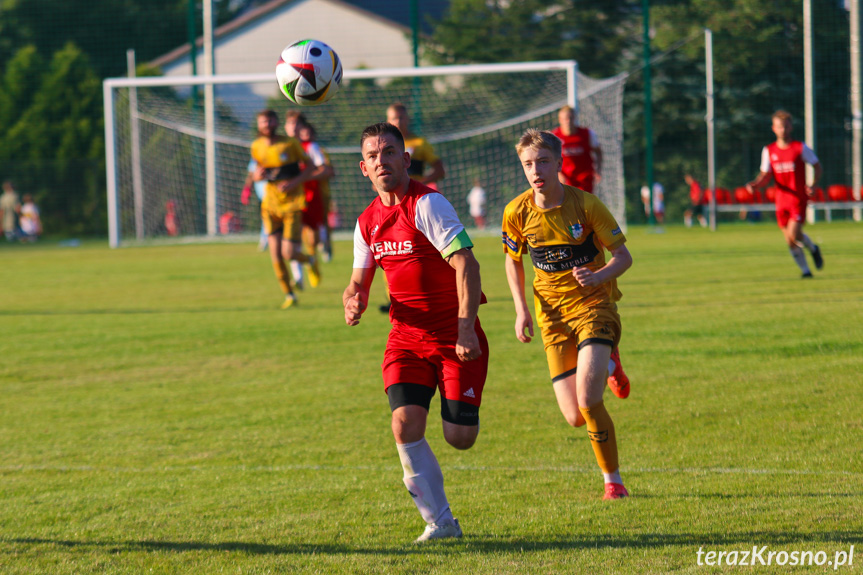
[(536, 139), (782, 115)]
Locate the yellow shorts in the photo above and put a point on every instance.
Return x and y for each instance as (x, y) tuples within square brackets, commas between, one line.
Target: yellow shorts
[(289, 222), (563, 334)]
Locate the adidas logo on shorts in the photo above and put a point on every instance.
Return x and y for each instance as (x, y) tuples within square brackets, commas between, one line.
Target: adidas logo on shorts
[(469, 393)]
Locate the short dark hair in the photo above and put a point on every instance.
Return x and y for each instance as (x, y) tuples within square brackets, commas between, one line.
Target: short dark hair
[(380, 129), (398, 107), (268, 113)]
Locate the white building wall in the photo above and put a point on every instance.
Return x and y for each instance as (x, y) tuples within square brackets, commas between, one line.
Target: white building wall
[(359, 40)]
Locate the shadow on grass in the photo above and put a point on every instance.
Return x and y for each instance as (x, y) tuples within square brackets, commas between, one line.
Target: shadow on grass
[(472, 543)]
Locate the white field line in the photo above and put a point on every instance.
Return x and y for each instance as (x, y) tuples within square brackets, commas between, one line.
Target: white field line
[(543, 469)]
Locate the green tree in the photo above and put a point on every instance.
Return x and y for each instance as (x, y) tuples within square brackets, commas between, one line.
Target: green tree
[(103, 31), (758, 68), (58, 139), (593, 33), (17, 85)]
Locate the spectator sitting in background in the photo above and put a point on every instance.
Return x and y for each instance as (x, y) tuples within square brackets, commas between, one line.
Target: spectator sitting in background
[(31, 223)]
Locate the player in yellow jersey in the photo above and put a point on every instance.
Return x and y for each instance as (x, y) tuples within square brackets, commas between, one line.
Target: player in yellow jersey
[(566, 232), (422, 153), (278, 161)]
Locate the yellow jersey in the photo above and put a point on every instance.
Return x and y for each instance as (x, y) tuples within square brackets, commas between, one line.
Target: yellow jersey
[(282, 159), (422, 154), (558, 239)]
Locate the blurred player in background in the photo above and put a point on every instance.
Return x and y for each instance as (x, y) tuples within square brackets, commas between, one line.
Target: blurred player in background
[(10, 207), (582, 157), (315, 214), (476, 200), (785, 160), (293, 120), (260, 188), (697, 203), (426, 167), (658, 202), (278, 160), (413, 233), (566, 231)]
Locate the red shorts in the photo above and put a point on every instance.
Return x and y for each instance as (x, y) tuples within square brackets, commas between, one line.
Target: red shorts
[(790, 208), (313, 214), (413, 357)]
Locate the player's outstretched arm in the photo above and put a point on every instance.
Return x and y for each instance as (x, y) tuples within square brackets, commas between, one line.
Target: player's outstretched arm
[(621, 260), (523, 319), (597, 163), (763, 178), (247, 189), (816, 176), (356, 297), (298, 180), (469, 286)]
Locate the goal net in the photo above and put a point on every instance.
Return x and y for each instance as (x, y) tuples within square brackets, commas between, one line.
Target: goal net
[(181, 145)]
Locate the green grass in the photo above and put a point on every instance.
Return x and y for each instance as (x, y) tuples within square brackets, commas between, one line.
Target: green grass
[(158, 412)]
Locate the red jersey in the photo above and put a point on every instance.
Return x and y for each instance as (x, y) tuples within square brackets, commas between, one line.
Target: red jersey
[(788, 167), (408, 241), (578, 168), (313, 213), (696, 194)]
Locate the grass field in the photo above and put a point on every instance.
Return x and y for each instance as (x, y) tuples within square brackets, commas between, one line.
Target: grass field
[(159, 413)]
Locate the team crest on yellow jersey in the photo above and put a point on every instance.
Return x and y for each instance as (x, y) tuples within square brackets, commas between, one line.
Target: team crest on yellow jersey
[(576, 230)]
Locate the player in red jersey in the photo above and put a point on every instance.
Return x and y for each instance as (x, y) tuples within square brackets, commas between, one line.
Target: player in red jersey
[(785, 161), (317, 191), (414, 235), (697, 202), (582, 156)]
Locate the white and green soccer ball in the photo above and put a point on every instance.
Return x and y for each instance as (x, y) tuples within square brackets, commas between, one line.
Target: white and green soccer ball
[(309, 72)]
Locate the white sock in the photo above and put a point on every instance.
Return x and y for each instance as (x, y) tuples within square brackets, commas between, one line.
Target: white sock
[(613, 477), (688, 221), (810, 245), (297, 271), (424, 480), (800, 258)]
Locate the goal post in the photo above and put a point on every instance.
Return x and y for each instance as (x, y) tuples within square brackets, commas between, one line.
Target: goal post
[(160, 146)]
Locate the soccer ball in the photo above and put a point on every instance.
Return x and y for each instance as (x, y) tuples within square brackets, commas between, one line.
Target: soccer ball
[(309, 72)]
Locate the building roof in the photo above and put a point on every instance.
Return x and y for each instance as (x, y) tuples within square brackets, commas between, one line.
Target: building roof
[(397, 12)]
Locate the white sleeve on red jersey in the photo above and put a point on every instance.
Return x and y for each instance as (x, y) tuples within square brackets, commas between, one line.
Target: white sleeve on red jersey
[(765, 161), (808, 155), (437, 220), (363, 257), (316, 154)]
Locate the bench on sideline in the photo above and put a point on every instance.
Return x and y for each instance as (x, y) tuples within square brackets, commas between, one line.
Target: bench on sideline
[(838, 197)]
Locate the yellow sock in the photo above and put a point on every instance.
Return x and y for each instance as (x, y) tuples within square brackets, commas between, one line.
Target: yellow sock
[(600, 429), (282, 275)]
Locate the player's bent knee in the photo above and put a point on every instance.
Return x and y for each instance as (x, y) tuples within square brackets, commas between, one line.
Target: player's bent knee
[(575, 420), (460, 436)]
